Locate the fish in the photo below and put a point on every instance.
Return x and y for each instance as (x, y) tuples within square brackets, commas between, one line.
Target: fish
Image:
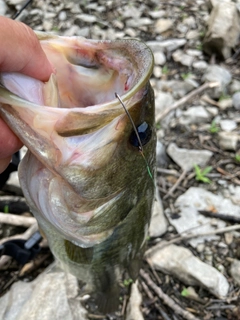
[(86, 177)]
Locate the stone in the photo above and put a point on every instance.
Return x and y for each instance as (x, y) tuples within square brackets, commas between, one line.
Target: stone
[(177, 88), (181, 57), (223, 30), (62, 16), (217, 74), (158, 224), (234, 86), (159, 58), (192, 34), (162, 101), (228, 125), (157, 72), (194, 115), (138, 22), (3, 8), (235, 271), (200, 65), (186, 159), (157, 14), (169, 45), (163, 25), (187, 206), (134, 304), (182, 264), (194, 53), (228, 140), (236, 100), (225, 103), (162, 158), (40, 299), (87, 18)]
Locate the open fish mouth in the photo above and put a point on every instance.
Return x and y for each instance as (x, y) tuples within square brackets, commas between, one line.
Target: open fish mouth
[(83, 176)]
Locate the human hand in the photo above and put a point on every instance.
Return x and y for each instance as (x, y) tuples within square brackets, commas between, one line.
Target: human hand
[(20, 51)]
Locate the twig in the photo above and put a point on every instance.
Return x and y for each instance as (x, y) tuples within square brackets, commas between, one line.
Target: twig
[(16, 220), (225, 217), (166, 299), (167, 171), (186, 98), (174, 187), (160, 245)]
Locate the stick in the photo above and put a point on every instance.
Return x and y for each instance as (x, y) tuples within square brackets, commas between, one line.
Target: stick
[(16, 220), (186, 98), (165, 298), (160, 245), (182, 176)]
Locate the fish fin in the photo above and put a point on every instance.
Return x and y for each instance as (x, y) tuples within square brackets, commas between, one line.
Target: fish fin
[(108, 301)]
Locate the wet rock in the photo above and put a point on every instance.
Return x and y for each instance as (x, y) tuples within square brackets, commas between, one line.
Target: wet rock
[(159, 58), (182, 264), (169, 45), (194, 115), (158, 224), (181, 57), (228, 140), (39, 299), (163, 25), (223, 30), (218, 74), (235, 271), (228, 125), (186, 158), (236, 100), (195, 199)]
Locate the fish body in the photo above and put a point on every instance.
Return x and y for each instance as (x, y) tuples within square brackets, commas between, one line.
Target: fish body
[(84, 178)]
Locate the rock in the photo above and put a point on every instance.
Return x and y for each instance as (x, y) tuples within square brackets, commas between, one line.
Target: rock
[(163, 25), (134, 304), (228, 140), (3, 8), (219, 74), (158, 224), (225, 103), (159, 58), (177, 88), (184, 59), (157, 72), (87, 18), (194, 53), (223, 30), (162, 101), (192, 34), (62, 16), (234, 86), (182, 264), (195, 199), (235, 271), (236, 100), (228, 125), (169, 45), (193, 115), (138, 22), (186, 158), (200, 65), (156, 14), (162, 158), (40, 299)]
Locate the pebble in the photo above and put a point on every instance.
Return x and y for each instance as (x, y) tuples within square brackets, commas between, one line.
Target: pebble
[(225, 103), (62, 16), (138, 22), (169, 45), (157, 72), (159, 58), (158, 224), (200, 65), (181, 57), (186, 159), (235, 271), (228, 140), (193, 115), (236, 100), (163, 25), (234, 86), (85, 18), (228, 125)]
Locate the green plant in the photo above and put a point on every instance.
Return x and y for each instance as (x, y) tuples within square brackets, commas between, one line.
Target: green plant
[(214, 127), (185, 76), (223, 97), (185, 292), (200, 174), (237, 157), (165, 70), (127, 282), (199, 46), (6, 208)]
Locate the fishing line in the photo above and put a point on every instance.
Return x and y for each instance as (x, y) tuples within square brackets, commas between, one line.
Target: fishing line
[(140, 147)]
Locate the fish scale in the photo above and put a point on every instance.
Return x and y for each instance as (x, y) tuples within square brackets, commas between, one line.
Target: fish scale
[(86, 182)]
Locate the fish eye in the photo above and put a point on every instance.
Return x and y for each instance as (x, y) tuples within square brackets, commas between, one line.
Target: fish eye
[(144, 132)]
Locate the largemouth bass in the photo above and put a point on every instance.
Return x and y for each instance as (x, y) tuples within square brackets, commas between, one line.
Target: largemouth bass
[(84, 178)]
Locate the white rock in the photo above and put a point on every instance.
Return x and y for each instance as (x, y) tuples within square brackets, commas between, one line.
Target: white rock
[(159, 58), (134, 304), (228, 140), (88, 18), (62, 16), (195, 199), (225, 103), (235, 271), (234, 86), (182, 264), (169, 45), (201, 65), (138, 22), (194, 53), (40, 299), (186, 158), (236, 100), (3, 8), (228, 125), (158, 224), (194, 115), (163, 25), (192, 34), (184, 59), (157, 72), (162, 101), (162, 158)]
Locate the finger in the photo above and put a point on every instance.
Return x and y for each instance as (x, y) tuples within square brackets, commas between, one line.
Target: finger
[(20, 51)]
